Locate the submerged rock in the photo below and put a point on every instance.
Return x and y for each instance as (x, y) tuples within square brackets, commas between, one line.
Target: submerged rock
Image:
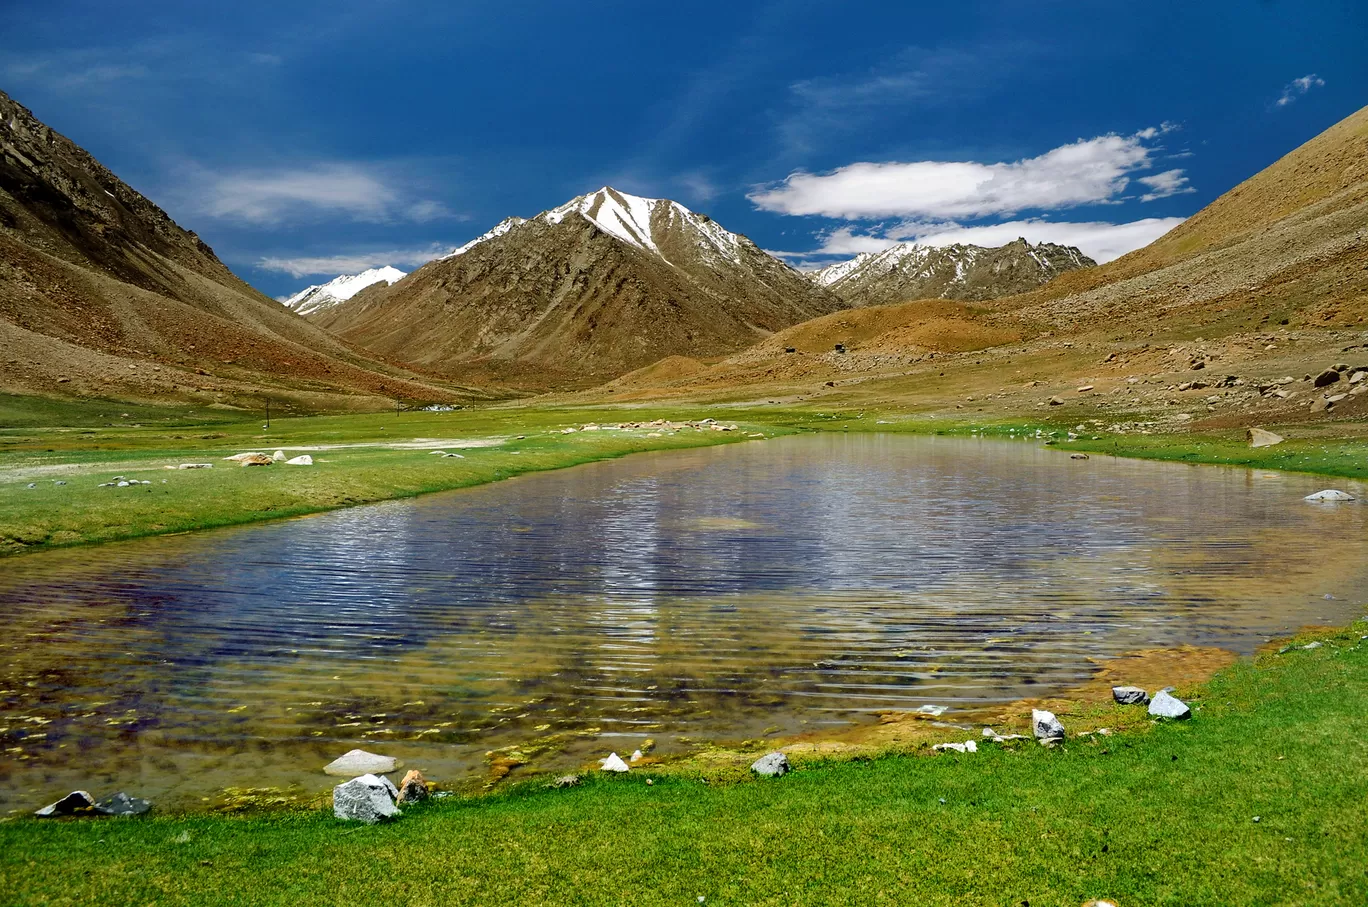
[(368, 799), (1046, 726), (771, 765), (413, 788), (360, 762), (1165, 705), (1329, 494), (76, 803), (1130, 695), (121, 804), (614, 763)]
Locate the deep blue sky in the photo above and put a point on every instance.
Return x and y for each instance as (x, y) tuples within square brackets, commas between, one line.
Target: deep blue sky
[(370, 133)]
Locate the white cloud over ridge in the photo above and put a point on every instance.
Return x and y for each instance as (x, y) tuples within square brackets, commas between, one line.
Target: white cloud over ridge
[(1099, 240), (333, 265), (1298, 87), (1085, 172)]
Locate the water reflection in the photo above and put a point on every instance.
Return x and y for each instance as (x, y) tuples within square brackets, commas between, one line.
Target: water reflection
[(714, 593)]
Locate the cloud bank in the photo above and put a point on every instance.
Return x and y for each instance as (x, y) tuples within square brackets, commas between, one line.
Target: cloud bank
[(304, 194), (1086, 172), (333, 265)]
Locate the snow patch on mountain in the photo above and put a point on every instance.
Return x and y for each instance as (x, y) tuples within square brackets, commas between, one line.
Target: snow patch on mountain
[(339, 289), (502, 227)]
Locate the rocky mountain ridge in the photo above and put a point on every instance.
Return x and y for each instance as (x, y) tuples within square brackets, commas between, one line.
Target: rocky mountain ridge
[(964, 272)]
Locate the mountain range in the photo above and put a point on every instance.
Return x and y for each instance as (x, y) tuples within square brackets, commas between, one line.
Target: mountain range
[(340, 289)]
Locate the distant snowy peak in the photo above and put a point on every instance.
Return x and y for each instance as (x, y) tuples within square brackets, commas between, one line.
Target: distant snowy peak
[(956, 271), (502, 227), (339, 289), (647, 222)]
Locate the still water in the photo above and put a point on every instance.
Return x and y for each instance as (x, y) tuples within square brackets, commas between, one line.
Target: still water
[(688, 597)]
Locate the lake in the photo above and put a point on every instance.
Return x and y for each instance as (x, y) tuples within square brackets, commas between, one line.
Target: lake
[(690, 597)]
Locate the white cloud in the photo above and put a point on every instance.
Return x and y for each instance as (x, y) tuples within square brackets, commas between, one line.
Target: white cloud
[(303, 194), (1086, 172), (1298, 87), (333, 265), (1162, 185), (1099, 240)]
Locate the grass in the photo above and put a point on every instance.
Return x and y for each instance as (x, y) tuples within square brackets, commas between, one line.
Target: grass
[(1163, 816)]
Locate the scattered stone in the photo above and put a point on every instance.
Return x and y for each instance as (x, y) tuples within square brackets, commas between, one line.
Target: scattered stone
[(301, 460), (614, 763), (196, 466), (636, 756), (256, 460), (1357, 377), (1327, 377), (413, 788), (968, 746), (76, 803), (1130, 695), (237, 458), (32, 484), (453, 456), (121, 804), (1085, 388), (1166, 706), (1056, 401), (1046, 726), (1078, 456), (933, 710), (771, 765), (1258, 437), (278, 456), (1329, 494), (368, 799), (565, 781), (360, 762), (1313, 645)]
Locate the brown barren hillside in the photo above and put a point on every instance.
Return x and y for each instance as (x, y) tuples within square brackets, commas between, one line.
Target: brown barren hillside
[(580, 294), (103, 295)]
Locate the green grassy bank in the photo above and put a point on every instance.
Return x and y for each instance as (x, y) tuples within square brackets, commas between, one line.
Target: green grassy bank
[(1158, 817)]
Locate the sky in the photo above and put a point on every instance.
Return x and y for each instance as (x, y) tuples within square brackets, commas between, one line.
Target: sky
[(305, 140)]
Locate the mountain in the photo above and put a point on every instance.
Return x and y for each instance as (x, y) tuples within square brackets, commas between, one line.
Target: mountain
[(339, 289), (103, 295), (911, 271), (601, 285)]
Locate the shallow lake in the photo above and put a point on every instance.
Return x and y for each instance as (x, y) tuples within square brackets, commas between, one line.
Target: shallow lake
[(698, 596)]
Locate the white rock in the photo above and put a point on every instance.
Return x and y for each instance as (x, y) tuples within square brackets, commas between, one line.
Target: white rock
[(1164, 705), (360, 762), (636, 755), (771, 765), (968, 746), (301, 460), (278, 456), (196, 466), (614, 763), (368, 798), (1258, 437), (1329, 494), (238, 458), (1046, 726)]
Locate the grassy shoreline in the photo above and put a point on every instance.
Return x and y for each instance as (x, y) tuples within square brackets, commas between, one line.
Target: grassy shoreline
[(361, 463), (1165, 815)]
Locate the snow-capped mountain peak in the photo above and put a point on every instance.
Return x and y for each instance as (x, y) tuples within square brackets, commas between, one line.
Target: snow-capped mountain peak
[(339, 289), (499, 229)]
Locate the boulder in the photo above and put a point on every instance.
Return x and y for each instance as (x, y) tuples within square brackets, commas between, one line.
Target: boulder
[(614, 763), (368, 799), (413, 788), (121, 804), (1257, 437), (256, 460), (360, 762), (1329, 494), (1327, 377), (301, 460), (771, 765), (76, 803), (1056, 401), (1046, 726), (1130, 695), (1165, 705)]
